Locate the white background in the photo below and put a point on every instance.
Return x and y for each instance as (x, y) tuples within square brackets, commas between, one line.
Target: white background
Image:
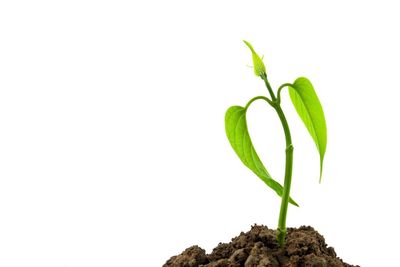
[(112, 142)]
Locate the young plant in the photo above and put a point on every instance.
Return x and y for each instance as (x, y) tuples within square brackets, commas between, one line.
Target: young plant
[(308, 107)]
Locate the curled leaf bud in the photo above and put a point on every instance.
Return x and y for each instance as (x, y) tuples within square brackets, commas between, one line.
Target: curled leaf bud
[(259, 67)]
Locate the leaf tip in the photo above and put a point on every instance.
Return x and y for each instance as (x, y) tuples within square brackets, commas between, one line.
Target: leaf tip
[(248, 45), (294, 203), (320, 170)]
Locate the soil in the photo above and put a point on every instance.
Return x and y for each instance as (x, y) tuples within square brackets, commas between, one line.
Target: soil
[(304, 247)]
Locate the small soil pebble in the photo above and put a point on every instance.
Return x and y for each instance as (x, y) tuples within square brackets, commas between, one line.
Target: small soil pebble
[(304, 247)]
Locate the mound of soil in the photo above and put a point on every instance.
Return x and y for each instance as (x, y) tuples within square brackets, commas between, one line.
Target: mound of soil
[(304, 247)]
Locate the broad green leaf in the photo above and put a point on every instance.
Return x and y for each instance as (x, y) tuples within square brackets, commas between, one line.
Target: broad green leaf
[(307, 105), (239, 138), (259, 67)]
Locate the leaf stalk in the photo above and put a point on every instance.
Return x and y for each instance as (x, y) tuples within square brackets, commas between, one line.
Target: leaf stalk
[(280, 89), (259, 97)]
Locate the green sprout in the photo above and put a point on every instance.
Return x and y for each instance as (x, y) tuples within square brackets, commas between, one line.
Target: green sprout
[(308, 107)]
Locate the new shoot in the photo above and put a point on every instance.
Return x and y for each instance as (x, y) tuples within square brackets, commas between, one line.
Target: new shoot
[(308, 107)]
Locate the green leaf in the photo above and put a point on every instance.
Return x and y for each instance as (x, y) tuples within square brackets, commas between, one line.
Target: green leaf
[(239, 138), (307, 105), (259, 67)]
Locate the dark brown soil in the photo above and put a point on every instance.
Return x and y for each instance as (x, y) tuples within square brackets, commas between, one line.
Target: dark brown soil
[(304, 247)]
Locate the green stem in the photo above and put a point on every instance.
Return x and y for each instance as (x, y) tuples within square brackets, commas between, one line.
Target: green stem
[(288, 178), (271, 92), (288, 166)]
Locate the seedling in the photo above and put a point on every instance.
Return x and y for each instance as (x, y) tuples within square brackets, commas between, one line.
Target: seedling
[(308, 107)]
